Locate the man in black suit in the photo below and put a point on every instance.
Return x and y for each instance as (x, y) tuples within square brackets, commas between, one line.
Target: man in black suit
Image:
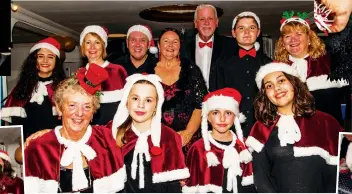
[(207, 48)]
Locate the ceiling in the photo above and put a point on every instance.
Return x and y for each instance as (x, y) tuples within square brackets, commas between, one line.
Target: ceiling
[(118, 16)]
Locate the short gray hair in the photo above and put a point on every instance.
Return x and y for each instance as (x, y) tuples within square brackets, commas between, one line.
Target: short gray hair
[(204, 6)]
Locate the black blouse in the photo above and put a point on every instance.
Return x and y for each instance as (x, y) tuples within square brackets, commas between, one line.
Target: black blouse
[(277, 170), (39, 116), (132, 185), (65, 184), (182, 97)]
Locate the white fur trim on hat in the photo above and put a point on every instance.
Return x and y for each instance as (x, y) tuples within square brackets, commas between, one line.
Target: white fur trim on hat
[(273, 67), (140, 28), (51, 47), (294, 19), (243, 14), (122, 111), (5, 156), (95, 29)]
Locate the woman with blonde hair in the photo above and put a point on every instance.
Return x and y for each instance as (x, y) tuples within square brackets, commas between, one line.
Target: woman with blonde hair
[(75, 157), (300, 47), (93, 41)]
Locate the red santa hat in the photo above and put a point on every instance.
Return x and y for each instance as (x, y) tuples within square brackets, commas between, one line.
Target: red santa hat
[(246, 14), (288, 17), (273, 67), (148, 32), (48, 43), (5, 156), (122, 111), (228, 99), (91, 79), (101, 31)]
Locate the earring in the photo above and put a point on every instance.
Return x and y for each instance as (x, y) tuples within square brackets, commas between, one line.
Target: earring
[(59, 117), (154, 113)]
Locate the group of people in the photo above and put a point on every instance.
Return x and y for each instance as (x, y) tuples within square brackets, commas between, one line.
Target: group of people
[(140, 124)]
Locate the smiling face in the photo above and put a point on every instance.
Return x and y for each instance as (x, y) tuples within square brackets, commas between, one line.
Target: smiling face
[(46, 60), (93, 47), (221, 120), (142, 102), (206, 22), (246, 32), (77, 111), (169, 45), (138, 45), (296, 40), (279, 90)]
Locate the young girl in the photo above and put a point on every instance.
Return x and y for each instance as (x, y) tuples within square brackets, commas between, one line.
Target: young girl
[(295, 147), (220, 161), (152, 151)]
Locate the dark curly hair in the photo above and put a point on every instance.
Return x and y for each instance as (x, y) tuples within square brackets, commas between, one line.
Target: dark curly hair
[(28, 78), (7, 169), (303, 103)]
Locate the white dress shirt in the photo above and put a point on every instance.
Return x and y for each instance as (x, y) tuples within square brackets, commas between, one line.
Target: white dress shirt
[(203, 58)]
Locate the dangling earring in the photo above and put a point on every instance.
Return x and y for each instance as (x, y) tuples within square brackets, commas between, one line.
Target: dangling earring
[(178, 57), (59, 117), (154, 113)]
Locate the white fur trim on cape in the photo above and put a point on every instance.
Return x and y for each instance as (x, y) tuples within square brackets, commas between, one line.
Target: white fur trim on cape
[(322, 82), (172, 175), (247, 180), (37, 185), (243, 14), (5, 157), (7, 112), (51, 47), (111, 184), (294, 19), (273, 67), (253, 144), (111, 96), (96, 29), (202, 189), (311, 151)]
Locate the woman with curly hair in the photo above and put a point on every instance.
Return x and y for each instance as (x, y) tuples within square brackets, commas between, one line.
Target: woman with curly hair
[(9, 182), (30, 102), (294, 146), (300, 47)]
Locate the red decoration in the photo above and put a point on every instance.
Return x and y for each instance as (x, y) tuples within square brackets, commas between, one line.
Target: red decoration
[(208, 44), (156, 151)]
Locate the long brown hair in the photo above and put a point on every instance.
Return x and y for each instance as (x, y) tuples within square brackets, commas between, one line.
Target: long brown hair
[(121, 139), (316, 48), (303, 102)]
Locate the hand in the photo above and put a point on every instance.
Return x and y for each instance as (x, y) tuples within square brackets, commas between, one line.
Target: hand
[(35, 136), (182, 183), (342, 10), (185, 136)]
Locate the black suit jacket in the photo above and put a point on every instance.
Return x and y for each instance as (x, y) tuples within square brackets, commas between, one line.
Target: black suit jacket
[(223, 47)]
